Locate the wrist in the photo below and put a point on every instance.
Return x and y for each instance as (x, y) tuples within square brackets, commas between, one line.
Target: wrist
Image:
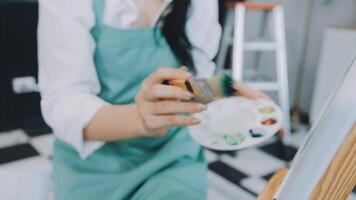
[(140, 127)]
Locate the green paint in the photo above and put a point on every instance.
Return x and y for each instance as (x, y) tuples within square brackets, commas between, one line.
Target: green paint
[(233, 140), (226, 84)]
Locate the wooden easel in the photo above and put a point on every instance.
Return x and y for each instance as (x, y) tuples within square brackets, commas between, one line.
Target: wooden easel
[(338, 180)]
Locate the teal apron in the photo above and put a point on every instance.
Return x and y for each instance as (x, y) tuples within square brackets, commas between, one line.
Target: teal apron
[(171, 167)]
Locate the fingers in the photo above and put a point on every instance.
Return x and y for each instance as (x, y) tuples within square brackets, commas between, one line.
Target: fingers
[(159, 91), (184, 68), (176, 120), (163, 74), (158, 125), (159, 132), (249, 92), (161, 124), (157, 103), (175, 107)]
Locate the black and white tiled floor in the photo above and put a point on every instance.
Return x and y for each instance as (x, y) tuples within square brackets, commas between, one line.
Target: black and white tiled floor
[(232, 176)]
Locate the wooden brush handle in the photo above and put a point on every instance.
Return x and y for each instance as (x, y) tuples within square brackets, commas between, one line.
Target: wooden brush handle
[(191, 86), (181, 84)]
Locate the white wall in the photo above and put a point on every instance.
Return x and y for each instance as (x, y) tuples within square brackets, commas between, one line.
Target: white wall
[(331, 68), (326, 13)]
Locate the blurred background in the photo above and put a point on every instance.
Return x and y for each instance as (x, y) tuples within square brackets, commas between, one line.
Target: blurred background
[(320, 38)]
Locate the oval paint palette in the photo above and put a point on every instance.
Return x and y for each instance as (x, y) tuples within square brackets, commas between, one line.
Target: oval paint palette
[(236, 123)]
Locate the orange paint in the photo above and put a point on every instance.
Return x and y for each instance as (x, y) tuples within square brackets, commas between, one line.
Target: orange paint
[(269, 122)]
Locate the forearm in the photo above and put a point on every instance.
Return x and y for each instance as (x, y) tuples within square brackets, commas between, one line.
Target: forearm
[(115, 122)]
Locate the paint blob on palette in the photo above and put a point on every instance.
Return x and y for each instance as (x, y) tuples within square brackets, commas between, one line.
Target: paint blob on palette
[(236, 123), (266, 110), (234, 140)]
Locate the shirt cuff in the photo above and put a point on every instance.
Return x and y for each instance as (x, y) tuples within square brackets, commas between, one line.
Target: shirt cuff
[(88, 109)]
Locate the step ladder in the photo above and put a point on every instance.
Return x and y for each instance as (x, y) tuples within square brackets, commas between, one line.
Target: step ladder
[(233, 34)]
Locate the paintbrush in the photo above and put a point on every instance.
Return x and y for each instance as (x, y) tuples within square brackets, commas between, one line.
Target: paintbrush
[(206, 90)]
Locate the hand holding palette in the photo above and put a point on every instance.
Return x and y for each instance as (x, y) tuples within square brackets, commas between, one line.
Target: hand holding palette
[(236, 123)]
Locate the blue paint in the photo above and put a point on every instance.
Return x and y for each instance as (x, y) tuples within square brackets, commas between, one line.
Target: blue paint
[(255, 134)]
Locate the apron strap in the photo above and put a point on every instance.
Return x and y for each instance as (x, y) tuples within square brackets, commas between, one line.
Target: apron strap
[(98, 8)]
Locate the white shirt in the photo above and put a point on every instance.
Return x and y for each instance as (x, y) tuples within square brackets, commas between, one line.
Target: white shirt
[(68, 80)]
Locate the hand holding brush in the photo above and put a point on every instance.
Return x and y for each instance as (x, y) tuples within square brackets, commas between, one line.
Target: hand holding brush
[(220, 86)]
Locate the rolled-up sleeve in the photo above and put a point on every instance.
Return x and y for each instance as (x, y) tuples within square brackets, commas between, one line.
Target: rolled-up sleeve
[(68, 80), (204, 32)]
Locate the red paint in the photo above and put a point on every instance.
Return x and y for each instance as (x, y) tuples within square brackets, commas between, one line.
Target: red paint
[(269, 122)]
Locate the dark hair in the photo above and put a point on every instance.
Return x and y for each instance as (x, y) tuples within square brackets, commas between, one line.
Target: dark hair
[(173, 30)]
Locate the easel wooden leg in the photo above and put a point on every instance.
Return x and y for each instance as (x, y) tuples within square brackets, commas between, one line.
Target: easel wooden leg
[(273, 185), (338, 180)]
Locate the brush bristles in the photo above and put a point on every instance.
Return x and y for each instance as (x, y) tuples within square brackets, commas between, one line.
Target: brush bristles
[(221, 85), (226, 84), (205, 90)]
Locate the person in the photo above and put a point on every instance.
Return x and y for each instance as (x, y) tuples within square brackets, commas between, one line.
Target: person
[(120, 133)]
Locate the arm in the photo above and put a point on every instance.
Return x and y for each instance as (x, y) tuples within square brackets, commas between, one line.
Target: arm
[(115, 122), (155, 110), (130, 121), (67, 78)]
